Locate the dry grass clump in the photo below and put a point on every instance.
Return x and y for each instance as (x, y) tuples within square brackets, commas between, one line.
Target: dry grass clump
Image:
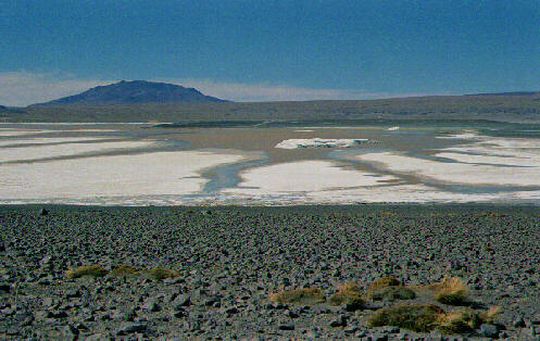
[(465, 320), (298, 296), (427, 317), (388, 281), (392, 294), (391, 289), (95, 270), (416, 317), (124, 271), (489, 315), (350, 295), (451, 291), (160, 273), (459, 321)]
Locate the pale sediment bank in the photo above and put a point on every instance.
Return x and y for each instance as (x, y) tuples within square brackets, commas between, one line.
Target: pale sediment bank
[(158, 173)]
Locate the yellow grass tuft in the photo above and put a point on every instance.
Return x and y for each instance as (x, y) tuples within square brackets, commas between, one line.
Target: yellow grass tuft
[(388, 281), (416, 317), (124, 271), (451, 291), (491, 314), (392, 293), (87, 270), (298, 296), (459, 321), (350, 295)]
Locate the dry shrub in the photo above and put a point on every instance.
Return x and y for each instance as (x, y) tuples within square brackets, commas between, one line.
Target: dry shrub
[(350, 295), (491, 314), (95, 270), (451, 291), (459, 321), (124, 271), (381, 283), (388, 281), (416, 317), (466, 320), (298, 296), (392, 294)]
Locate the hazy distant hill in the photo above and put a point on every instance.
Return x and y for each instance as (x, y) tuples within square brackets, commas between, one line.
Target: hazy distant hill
[(510, 107), (534, 94), (136, 92)]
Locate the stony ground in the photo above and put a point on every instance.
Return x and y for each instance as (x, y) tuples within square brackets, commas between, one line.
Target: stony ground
[(230, 259)]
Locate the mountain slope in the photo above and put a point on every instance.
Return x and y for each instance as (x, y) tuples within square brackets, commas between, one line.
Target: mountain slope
[(136, 92)]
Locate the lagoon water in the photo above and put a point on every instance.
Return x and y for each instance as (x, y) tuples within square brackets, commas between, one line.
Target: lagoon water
[(135, 164)]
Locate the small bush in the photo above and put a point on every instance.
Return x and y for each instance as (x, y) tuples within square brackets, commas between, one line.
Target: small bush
[(416, 317), (491, 314), (87, 270), (298, 296), (124, 271), (348, 294), (451, 291), (384, 282), (459, 321), (392, 294), (160, 273)]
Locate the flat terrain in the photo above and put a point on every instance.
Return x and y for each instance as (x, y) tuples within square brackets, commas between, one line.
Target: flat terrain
[(186, 165), (501, 107), (229, 259)]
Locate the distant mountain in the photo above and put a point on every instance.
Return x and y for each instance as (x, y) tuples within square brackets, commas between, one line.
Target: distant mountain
[(509, 94), (136, 92), (3, 108)]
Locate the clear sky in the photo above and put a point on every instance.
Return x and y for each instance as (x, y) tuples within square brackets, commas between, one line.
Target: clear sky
[(268, 50)]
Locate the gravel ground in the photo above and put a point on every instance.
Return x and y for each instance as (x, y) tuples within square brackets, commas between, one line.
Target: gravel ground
[(230, 259)]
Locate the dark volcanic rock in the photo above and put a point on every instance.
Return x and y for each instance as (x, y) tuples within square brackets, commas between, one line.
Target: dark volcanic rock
[(229, 259)]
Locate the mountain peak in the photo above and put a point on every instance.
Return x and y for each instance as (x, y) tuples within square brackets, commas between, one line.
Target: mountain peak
[(136, 92)]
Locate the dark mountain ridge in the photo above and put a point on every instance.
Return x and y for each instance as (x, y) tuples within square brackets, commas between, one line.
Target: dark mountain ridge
[(136, 92)]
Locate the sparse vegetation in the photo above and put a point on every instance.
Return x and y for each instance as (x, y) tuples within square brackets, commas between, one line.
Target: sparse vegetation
[(124, 271), (459, 321), (381, 283), (393, 293), (350, 295), (416, 317), (159, 273), (491, 314), (87, 270), (451, 291), (465, 320), (298, 296)]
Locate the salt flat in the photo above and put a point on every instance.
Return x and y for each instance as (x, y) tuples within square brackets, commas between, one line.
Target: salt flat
[(455, 172), (48, 140), (49, 151), (303, 176), (7, 132), (218, 166), (160, 173), (319, 143)]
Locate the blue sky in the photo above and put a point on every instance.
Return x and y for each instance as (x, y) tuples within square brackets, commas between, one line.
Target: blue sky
[(270, 50)]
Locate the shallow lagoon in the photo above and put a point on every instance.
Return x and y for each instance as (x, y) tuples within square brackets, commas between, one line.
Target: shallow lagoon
[(136, 164)]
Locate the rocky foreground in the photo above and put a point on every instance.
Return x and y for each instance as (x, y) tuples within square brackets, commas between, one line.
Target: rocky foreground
[(229, 260)]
